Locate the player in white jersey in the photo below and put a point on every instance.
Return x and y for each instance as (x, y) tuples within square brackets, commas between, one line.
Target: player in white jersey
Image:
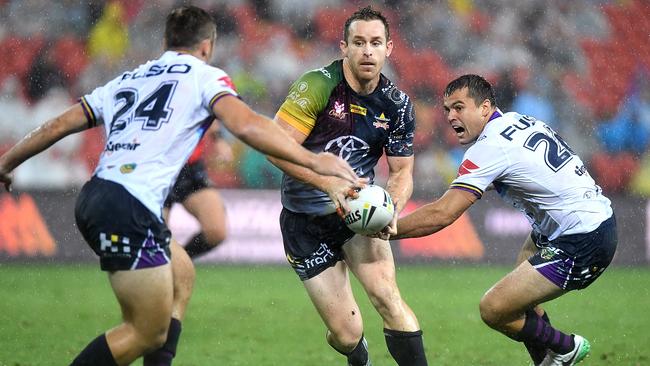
[(573, 238), (154, 116)]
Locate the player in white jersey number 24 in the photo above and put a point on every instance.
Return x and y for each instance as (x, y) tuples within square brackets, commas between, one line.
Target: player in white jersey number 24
[(153, 117), (573, 237)]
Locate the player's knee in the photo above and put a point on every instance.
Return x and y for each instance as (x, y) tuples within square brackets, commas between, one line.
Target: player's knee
[(345, 337), (148, 338), (214, 235), (491, 309), (156, 338)]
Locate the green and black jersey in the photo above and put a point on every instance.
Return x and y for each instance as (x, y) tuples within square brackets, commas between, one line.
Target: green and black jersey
[(358, 128)]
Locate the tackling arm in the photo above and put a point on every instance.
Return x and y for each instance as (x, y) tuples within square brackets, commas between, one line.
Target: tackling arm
[(435, 216), (265, 136), (70, 121), (335, 188)]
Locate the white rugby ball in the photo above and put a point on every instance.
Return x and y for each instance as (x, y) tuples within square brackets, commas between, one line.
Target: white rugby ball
[(371, 211)]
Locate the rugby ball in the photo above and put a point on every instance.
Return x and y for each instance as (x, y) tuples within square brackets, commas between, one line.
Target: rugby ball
[(370, 212)]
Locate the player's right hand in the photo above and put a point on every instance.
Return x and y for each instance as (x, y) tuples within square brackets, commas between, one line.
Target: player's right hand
[(330, 164)]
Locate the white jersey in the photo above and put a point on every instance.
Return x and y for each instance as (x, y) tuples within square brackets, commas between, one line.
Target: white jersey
[(533, 169), (154, 116)]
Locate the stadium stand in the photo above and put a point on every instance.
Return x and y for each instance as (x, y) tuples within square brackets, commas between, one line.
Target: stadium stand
[(586, 60)]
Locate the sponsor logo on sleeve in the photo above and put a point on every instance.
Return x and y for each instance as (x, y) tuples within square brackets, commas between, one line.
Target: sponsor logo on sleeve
[(466, 167), (226, 82)]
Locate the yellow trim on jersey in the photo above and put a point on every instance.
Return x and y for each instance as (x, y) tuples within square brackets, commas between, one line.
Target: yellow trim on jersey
[(467, 187), (358, 109), (304, 127), (89, 112)]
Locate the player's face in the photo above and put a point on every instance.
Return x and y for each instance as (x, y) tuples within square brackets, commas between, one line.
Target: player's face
[(366, 48), (465, 117)]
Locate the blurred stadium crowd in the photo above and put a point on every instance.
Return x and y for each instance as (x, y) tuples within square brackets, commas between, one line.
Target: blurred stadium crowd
[(583, 66)]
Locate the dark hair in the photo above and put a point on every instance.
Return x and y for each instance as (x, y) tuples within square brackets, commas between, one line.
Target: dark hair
[(187, 26), (367, 14), (478, 88)]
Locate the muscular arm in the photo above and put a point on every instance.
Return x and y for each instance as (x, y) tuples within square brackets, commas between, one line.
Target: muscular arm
[(400, 188), (264, 135), (400, 180), (70, 121), (435, 216), (334, 187)]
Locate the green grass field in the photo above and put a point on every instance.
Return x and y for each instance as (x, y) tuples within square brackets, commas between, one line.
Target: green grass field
[(262, 316)]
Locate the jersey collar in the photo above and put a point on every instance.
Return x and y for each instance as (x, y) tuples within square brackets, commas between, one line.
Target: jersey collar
[(495, 115)]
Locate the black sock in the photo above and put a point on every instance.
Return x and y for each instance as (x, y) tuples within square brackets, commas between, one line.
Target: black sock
[(536, 351), (406, 347), (96, 353), (165, 354), (197, 246), (359, 355), (539, 332)]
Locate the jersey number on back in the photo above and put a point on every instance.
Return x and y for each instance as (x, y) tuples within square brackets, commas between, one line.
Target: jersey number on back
[(556, 152), (153, 111)]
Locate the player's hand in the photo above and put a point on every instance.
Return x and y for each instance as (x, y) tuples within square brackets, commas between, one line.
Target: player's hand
[(339, 190), (389, 230), (6, 178), (332, 165)]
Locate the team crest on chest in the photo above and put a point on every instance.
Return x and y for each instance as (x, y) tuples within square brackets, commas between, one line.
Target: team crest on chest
[(338, 111), (381, 121)]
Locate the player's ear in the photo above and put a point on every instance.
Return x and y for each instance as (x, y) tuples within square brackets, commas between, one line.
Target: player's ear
[(389, 47), (485, 108), (343, 45)]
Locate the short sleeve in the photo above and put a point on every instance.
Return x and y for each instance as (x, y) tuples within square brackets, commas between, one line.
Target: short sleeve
[(93, 105), (482, 165), (307, 98), (400, 139), (215, 84)]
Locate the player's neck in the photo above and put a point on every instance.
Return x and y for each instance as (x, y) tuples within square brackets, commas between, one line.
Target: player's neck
[(361, 87), (196, 53)]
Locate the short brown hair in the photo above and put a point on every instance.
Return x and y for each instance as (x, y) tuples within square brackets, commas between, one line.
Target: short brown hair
[(187, 26), (367, 14), (478, 88)]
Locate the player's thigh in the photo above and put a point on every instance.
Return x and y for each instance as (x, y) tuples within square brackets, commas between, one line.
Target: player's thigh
[(519, 290), (207, 206), (527, 250), (331, 294), (145, 296), (371, 261)]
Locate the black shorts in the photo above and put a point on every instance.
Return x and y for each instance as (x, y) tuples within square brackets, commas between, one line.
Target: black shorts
[(119, 228), (573, 262), (192, 178), (313, 243)]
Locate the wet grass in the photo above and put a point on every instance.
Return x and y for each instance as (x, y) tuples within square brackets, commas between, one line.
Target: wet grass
[(260, 315)]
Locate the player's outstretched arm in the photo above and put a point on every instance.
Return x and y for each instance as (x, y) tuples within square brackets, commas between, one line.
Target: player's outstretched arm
[(434, 216), (400, 188), (71, 121), (264, 135)]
